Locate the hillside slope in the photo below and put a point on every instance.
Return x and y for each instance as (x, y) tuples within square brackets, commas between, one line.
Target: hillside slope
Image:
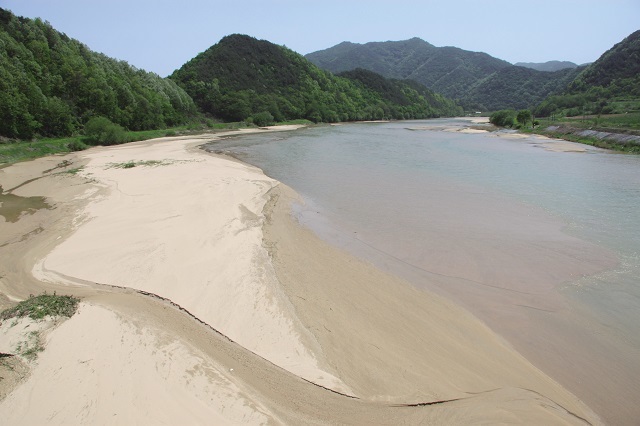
[(50, 85), (609, 85), (517, 88), (241, 77), (393, 59), (475, 79), (447, 70)]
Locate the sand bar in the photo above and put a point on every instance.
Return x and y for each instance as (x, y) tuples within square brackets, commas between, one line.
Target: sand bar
[(282, 327)]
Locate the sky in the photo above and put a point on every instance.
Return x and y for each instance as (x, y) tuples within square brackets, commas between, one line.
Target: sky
[(161, 35)]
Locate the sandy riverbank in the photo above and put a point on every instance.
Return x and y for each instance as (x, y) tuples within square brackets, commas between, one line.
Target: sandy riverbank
[(215, 236), (481, 125)]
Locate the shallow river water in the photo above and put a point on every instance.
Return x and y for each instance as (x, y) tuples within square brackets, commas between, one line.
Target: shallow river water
[(542, 246)]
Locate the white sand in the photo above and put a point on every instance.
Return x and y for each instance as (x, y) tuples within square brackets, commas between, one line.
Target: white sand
[(119, 373), (187, 228)]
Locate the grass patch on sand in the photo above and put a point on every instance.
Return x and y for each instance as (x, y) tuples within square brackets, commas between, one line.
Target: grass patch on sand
[(74, 171), (39, 307), (31, 347), (131, 164), (42, 309)]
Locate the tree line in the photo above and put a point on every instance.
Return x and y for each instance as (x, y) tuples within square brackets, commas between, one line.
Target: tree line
[(513, 118), (51, 85)]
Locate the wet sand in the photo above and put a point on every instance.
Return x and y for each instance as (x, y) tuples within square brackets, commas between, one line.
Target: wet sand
[(256, 320), (509, 263)]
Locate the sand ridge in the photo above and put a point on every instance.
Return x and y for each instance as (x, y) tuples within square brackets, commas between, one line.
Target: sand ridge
[(186, 225)]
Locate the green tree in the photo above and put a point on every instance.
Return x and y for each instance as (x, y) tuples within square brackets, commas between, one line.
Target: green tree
[(50, 84), (503, 118), (101, 131), (263, 118), (523, 117)]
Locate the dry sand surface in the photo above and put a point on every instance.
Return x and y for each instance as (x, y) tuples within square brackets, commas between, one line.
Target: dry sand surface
[(255, 321)]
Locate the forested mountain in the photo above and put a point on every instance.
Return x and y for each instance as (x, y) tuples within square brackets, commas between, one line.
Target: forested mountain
[(402, 92), (447, 70), (390, 59), (50, 85), (610, 84), (477, 80), (549, 66), (241, 77), (516, 88)]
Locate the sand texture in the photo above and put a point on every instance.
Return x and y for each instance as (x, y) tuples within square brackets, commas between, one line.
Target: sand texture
[(204, 302)]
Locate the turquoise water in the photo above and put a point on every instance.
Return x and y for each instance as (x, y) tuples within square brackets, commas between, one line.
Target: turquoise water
[(543, 246)]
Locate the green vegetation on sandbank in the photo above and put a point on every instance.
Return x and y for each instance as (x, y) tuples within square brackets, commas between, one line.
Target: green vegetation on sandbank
[(619, 132), (615, 132), (39, 307), (14, 151)]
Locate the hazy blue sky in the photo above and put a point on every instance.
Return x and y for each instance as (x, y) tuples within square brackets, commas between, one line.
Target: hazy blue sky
[(160, 35)]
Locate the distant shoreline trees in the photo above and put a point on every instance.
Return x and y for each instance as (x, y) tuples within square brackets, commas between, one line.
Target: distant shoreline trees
[(54, 86)]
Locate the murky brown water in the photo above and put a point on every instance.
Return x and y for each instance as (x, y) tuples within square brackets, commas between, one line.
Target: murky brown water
[(12, 207), (542, 246)]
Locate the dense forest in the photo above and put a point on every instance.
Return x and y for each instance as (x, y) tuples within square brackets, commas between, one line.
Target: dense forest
[(405, 93), (51, 85), (516, 88), (609, 85), (242, 77), (393, 59), (476, 80), (449, 71)]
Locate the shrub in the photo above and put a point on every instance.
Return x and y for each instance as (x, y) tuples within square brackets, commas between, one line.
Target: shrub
[(77, 146), (503, 118), (263, 118), (101, 131)]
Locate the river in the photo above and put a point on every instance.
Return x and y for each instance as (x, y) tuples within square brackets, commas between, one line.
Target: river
[(543, 246)]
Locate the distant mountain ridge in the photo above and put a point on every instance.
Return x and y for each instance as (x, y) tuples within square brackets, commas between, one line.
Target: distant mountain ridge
[(241, 76), (51, 85), (447, 70), (549, 66), (477, 80)]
